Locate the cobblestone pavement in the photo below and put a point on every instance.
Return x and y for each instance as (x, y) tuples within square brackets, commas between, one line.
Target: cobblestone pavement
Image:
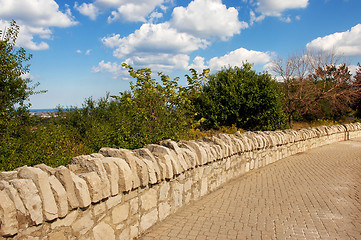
[(311, 195)]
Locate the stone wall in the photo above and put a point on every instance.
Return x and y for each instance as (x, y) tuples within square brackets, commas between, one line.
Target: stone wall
[(119, 193)]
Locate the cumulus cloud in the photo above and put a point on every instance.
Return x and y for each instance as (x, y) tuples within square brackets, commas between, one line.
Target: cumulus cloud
[(160, 38), (346, 43), (43, 13), (238, 56), (161, 62), (35, 19), (198, 64), (87, 9), (159, 45), (207, 18), (277, 7), (114, 68), (133, 11)]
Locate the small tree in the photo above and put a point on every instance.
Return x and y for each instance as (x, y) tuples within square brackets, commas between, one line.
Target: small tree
[(314, 84), (241, 97), (357, 89), (15, 89)]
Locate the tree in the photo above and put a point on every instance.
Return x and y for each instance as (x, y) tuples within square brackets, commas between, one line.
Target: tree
[(314, 84), (241, 97), (357, 88), (15, 88)]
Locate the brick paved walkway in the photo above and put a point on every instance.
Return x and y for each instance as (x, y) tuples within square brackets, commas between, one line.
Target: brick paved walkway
[(312, 195)]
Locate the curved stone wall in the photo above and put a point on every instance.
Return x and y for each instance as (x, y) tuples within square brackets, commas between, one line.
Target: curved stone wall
[(119, 193)]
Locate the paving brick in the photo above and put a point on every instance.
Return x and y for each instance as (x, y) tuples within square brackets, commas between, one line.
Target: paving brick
[(310, 195)]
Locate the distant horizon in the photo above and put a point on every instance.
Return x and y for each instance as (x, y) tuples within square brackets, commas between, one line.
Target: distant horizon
[(78, 46)]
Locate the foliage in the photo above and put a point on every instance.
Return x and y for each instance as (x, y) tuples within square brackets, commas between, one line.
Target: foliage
[(357, 89), (48, 143), (315, 85), (15, 89), (241, 97)]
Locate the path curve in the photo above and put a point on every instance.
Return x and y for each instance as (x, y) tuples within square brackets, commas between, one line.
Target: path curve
[(311, 195)]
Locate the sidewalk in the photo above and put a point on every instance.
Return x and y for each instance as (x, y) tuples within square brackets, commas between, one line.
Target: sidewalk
[(311, 195)]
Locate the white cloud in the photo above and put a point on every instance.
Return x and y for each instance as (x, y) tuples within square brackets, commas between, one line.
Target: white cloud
[(133, 11), (155, 45), (238, 56), (87, 9), (208, 18), (115, 69), (161, 62), (35, 19), (87, 52), (198, 64), (253, 17), (346, 43), (154, 38), (26, 36), (277, 7), (43, 13)]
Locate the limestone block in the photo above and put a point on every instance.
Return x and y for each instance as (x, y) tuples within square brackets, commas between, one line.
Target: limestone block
[(60, 196), (163, 162), (96, 155), (96, 165), (134, 230), (190, 157), (41, 180), (67, 221), (225, 148), (103, 231), (163, 210), (139, 168), (30, 197), (188, 185), (81, 190), (177, 192), (63, 175), (83, 224), (148, 220), (206, 150), (148, 199), (120, 213), (112, 152), (166, 153), (113, 201), (204, 186), (99, 208), (9, 223), (95, 185), (164, 191), (8, 175), (57, 236), (146, 154), (126, 177), (177, 152), (113, 175), (134, 206), (14, 196), (194, 147), (125, 235), (45, 168)]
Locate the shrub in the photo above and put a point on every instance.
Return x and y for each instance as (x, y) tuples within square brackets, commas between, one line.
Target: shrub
[(241, 97)]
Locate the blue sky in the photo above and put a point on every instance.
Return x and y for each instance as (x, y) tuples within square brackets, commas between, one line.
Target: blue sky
[(78, 46)]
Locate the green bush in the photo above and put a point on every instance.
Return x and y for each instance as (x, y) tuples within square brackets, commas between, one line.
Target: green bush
[(242, 97)]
